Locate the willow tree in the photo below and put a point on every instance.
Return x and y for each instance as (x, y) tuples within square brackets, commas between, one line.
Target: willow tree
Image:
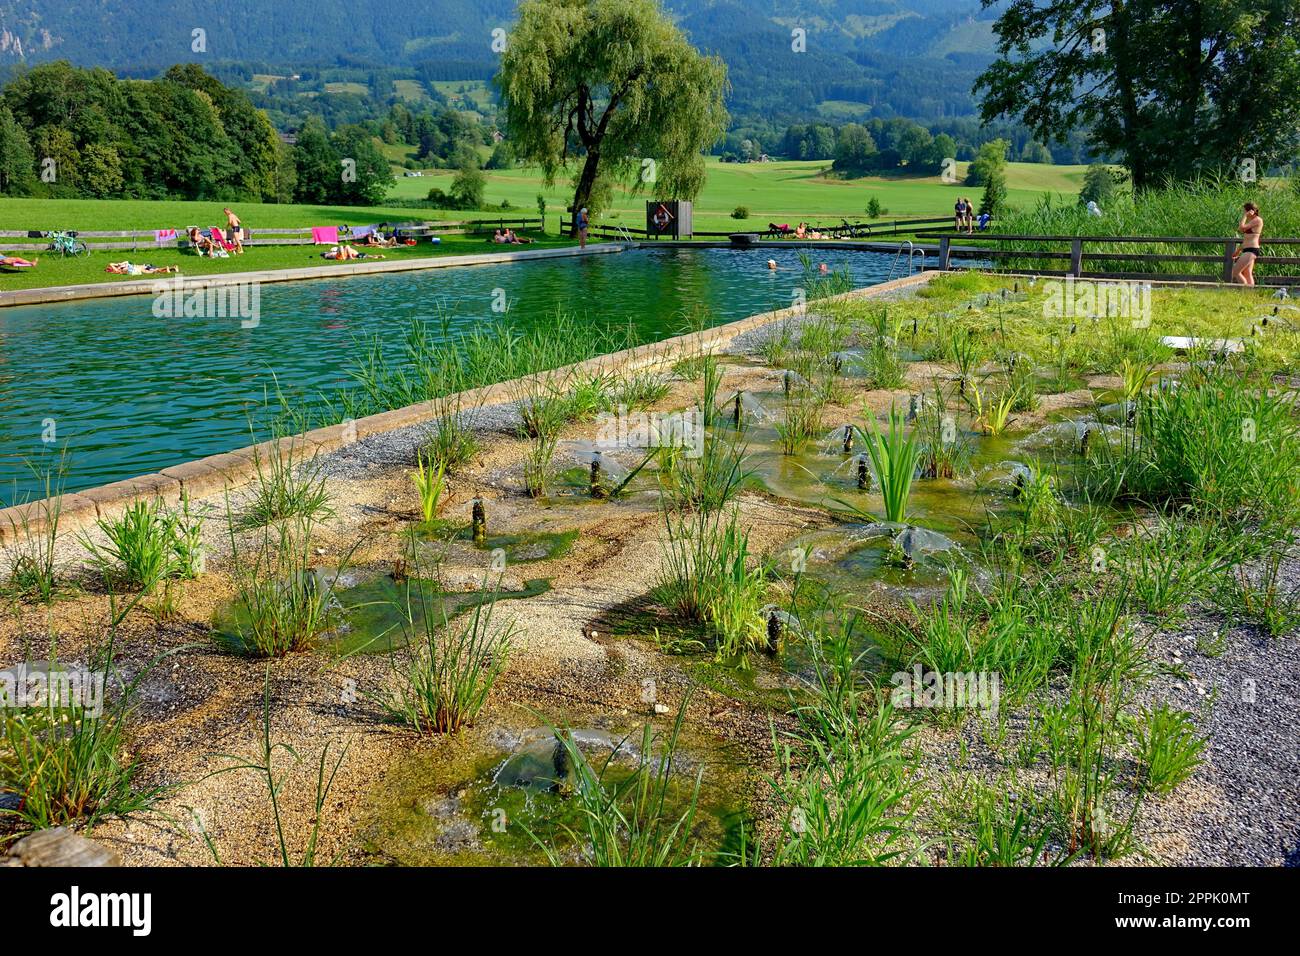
[(613, 88)]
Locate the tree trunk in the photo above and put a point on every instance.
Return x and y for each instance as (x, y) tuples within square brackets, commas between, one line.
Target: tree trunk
[(586, 184)]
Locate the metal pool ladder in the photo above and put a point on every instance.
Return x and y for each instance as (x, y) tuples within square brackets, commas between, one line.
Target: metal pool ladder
[(912, 251)]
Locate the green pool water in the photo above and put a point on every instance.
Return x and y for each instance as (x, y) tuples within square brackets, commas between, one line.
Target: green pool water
[(123, 392)]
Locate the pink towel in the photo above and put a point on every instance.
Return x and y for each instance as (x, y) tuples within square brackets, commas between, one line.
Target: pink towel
[(162, 235), (325, 235)]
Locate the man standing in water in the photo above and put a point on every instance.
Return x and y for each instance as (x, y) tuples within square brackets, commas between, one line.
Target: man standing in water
[(1251, 228), (581, 222)]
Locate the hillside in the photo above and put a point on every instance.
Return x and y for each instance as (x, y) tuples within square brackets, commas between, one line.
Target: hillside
[(863, 57)]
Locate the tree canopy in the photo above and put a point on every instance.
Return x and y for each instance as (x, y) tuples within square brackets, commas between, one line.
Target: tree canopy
[(1172, 88), (613, 83)]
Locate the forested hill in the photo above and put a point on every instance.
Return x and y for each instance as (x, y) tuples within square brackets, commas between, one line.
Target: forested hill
[(907, 57)]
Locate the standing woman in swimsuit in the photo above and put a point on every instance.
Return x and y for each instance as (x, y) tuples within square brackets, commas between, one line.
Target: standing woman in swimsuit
[(1251, 228)]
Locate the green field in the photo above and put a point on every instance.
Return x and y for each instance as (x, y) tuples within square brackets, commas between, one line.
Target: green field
[(773, 192), (54, 270)]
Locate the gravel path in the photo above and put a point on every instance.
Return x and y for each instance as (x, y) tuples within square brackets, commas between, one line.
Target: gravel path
[(1252, 760)]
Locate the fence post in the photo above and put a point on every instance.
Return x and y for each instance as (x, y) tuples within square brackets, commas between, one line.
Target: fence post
[(1076, 257), (945, 253), (1229, 248)]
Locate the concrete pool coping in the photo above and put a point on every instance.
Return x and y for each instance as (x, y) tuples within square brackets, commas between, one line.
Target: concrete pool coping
[(149, 285), (233, 469)]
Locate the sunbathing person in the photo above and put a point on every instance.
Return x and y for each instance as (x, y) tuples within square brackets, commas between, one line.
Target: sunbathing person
[(200, 243), (375, 239), (131, 269), (17, 262), (228, 239), (342, 252), (499, 237), (512, 237)]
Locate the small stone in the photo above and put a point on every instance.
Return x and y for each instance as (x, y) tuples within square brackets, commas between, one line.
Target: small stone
[(59, 846), (661, 708)]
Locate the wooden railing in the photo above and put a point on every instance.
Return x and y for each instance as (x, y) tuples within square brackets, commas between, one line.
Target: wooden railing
[(1073, 252), (858, 230)]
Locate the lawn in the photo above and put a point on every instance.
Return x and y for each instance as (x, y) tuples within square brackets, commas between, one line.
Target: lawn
[(773, 192), (54, 270)]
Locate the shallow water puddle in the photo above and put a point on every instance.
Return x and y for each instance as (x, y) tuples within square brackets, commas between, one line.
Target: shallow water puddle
[(490, 797), (375, 614)]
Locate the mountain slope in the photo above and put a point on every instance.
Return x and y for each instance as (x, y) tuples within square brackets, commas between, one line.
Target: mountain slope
[(884, 55)]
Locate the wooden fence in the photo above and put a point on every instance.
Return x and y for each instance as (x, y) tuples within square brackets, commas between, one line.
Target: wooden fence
[(1026, 253), (843, 230)]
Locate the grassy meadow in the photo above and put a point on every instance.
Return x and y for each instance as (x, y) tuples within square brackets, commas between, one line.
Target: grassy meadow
[(786, 191)]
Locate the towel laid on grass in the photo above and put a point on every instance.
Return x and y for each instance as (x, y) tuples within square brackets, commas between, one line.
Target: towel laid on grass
[(327, 235)]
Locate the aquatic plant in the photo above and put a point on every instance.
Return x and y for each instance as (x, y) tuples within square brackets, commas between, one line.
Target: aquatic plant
[(885, 367), (287, 486), (67, 760), (453, 666), (964, 349), (32, 574), (635, 821), (1168, 748), (709, 579), (993, 826), (1169, 565), (147, 544), (1222, 443), (1022, 385), (945, 449), (776, 343), (638, 390), (449, 441), (281, 605), (430, 485), (1134, 376), (263, 765), (801, 420), (544, 411), (1260, 595), (991, 419), (706, 482), (844, 793), (1084, 733), (895, 455)]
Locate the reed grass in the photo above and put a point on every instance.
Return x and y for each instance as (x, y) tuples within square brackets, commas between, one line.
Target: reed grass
[(710, 579), (68, 764), (895, 455), (636, 821), (444, 684), (1168, 747)]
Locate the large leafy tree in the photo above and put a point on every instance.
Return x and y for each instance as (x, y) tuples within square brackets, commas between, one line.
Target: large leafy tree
[(1173, 88), (605, 85)]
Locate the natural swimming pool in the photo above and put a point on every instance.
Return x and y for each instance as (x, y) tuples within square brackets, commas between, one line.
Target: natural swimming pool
[(127, 393)]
